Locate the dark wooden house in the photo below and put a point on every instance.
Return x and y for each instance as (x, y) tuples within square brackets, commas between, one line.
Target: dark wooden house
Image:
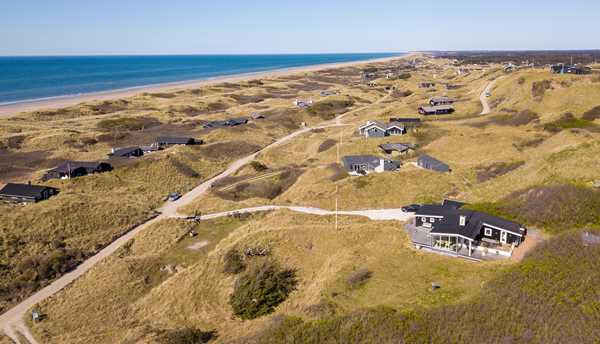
[(26, 193), (444, 100), (459, 230), (436, 110), (127, 152), (430, 163), (74, 169), (164, 141)]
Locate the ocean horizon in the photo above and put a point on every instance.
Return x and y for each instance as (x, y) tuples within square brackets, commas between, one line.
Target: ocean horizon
[(26, 79)]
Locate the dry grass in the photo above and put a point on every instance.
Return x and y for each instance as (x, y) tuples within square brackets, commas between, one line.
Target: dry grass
[(198, 295)]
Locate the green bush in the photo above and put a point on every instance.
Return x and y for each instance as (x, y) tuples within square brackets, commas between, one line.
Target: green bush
[(538, 88), (127, 123), (186, 336), (359, 278), (404, 76), (233, 262), (258, 166), (567, 121), (260, 290)]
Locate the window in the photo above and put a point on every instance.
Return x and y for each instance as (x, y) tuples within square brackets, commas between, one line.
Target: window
[(423, 219), (487, 232), (431, 219)]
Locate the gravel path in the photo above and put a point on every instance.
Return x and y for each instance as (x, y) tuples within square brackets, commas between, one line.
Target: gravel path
[(12, 322), (483, 97), (373, 214)]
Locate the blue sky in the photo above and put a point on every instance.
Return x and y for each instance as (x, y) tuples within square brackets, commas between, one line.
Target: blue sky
[(34, 27)]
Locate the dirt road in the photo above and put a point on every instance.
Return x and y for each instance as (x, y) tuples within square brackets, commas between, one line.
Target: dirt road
[(483, 97), (11, 322), (373, 214)]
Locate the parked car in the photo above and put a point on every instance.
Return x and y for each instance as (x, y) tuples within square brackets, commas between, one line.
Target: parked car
[(173, 196), (411, 208)]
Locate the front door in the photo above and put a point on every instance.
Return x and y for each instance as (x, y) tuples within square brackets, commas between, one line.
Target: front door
[(503, 236)]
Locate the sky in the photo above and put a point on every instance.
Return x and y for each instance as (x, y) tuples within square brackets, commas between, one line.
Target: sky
[(69, 27)]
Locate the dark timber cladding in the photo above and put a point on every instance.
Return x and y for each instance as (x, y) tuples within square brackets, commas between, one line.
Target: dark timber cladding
[(470, 225), (127, 152), (436, 110), (176, 140), (73, 169), (26, 193)]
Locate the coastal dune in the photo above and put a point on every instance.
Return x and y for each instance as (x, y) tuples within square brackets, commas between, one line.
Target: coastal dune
[(9, 110)]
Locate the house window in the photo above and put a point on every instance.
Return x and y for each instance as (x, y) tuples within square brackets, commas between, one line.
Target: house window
[(431, 219), (487, 232)]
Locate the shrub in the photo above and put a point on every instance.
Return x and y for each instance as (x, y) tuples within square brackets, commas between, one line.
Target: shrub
[(567, 121), (404, 76), (233, 263), (186, 336), (326, 145), (592, 114), (258, 166), (485, 173), (521, 81), (329, 108), (522, 118), (127, 123), (538, 89), (401, 94), (359, 278), (260, 290)]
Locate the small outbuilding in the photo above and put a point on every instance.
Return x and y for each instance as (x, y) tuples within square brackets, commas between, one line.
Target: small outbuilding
[(397, 148), (26, 193), (436, 110), (427, 84), (431, 163), (443, 100), (126, 152)]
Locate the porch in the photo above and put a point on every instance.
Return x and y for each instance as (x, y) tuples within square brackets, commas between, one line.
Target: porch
[(455, 246)]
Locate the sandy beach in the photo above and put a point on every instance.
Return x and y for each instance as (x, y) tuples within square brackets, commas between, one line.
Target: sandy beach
[(9, 110)]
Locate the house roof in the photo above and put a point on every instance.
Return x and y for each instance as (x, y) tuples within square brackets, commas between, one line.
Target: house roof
[(377, 124), (436, 108), (68, 166), (405, 120), (174, 140), (442, 99), (430, 160), (124, 151), (474, 221), (452, 204), (395, 125), (23, 190), (369, 160), (400, 147)]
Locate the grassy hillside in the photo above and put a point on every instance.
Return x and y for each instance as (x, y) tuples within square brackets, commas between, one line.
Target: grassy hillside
[(364, 282)]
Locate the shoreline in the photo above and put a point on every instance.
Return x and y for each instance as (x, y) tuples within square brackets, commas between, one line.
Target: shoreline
[(9, 110)]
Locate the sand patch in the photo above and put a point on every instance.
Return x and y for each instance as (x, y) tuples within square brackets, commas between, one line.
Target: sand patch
[(198, 245)]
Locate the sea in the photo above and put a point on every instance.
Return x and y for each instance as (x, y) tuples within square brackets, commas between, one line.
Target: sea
[(34, 78)]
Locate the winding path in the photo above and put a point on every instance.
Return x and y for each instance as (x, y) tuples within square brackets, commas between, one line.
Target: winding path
[(483, 97), (12, 323)]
